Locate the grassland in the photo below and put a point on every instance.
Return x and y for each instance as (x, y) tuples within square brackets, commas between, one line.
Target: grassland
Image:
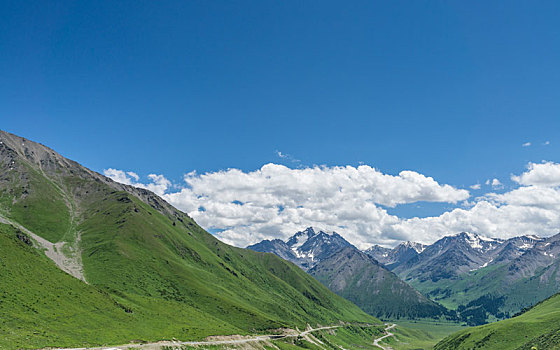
[(41, 306)]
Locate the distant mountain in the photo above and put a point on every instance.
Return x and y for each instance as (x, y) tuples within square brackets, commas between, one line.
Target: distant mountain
[(449, 257), (530, 277), (392, 258), (152, 273), (379, 253), (305, 248), (482, 278), (485, 278), (514, 248), (379, 292), (355, 275)]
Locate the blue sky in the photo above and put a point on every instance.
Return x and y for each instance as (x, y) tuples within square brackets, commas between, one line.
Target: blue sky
[(448, 89)]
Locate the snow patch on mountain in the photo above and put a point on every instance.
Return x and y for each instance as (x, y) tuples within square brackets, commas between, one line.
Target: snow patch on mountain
[(535, 238)]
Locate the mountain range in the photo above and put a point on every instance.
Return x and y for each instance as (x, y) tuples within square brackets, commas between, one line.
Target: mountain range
[(353, 274), (483, 279)]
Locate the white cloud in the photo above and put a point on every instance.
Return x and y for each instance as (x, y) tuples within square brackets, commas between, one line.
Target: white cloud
[(133, 175), (276, 201), (287, 157), (496, 183), (159, 184), (540, 174), (118, 176), (485, 217), (530, 196), (475, 186), (546, 143), (526, 144)]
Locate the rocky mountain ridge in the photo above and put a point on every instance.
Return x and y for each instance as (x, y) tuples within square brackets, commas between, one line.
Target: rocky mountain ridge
[(305, 248), (361, 279)]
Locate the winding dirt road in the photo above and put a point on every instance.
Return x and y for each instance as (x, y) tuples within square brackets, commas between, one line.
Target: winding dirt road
[(389, 334), (177, 344)]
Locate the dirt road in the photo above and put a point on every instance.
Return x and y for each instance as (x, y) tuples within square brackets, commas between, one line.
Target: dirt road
[(240, 340), (389, 334)]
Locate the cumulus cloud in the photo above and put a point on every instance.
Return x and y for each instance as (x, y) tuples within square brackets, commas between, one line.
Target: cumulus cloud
[(159, 184), (244, 207), (132, 175), (530, 196), (475, 187), (526, 144), (119, 176), (276, 201), (485, 217), (540, 174)]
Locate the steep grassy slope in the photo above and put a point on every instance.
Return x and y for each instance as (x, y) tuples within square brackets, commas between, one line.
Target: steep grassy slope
[(40, 306), (379, 292), (157, 272), (539, 327)]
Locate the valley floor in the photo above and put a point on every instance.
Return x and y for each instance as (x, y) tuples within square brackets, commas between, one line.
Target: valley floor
[(421, 334)]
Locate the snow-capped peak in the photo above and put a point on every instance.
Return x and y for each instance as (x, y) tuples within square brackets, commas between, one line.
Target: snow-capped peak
[(300, 238), (312, 245), (478, 242), (418, 247), (473, 240), (299, 241)]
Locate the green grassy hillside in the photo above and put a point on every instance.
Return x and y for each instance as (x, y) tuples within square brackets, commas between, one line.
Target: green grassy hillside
[(152, 272), (40, 305), (538, 328)]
